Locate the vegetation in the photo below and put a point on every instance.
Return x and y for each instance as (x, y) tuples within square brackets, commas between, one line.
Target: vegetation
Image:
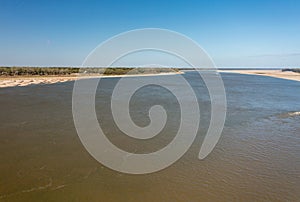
[(64, 71), (292, 70), (17, 71)]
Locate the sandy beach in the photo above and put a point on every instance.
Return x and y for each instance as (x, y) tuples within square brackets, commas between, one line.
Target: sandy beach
[(272, 73), (32, 80)]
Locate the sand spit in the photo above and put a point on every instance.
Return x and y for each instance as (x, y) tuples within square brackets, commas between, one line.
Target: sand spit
[(272, 73), (25, 81)]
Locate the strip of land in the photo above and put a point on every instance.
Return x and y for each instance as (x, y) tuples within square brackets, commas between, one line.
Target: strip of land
[(12, 81), (24, 76), (290, 75), (25, 80)]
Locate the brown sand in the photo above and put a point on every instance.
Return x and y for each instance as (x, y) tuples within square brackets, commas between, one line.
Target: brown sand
[(29, 80), (272, 73)]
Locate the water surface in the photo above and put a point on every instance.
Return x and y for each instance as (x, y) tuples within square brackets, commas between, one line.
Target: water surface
[(256, 159)]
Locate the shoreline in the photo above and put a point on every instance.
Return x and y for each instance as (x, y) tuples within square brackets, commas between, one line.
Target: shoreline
[(19, 81), (288, 75), (15, 81)]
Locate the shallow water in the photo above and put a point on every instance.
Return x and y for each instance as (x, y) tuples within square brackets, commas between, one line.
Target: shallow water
[(256, 159)]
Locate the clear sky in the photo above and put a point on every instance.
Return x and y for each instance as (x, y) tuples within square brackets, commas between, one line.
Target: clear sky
[(236, 33)]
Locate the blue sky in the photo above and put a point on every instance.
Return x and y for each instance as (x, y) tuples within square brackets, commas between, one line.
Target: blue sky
[(237, 33)]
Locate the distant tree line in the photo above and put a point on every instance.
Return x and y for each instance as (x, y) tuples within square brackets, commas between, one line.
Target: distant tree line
[(62, 71), (291, 70), (15, 71)]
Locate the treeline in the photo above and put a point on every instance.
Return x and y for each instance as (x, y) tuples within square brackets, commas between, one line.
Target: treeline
[(62, 71), (15, 71), (120, 71), (292, 70)]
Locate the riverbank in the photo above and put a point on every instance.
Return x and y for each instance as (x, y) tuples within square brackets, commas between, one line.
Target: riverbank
[(12, 81), (271, 73)]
